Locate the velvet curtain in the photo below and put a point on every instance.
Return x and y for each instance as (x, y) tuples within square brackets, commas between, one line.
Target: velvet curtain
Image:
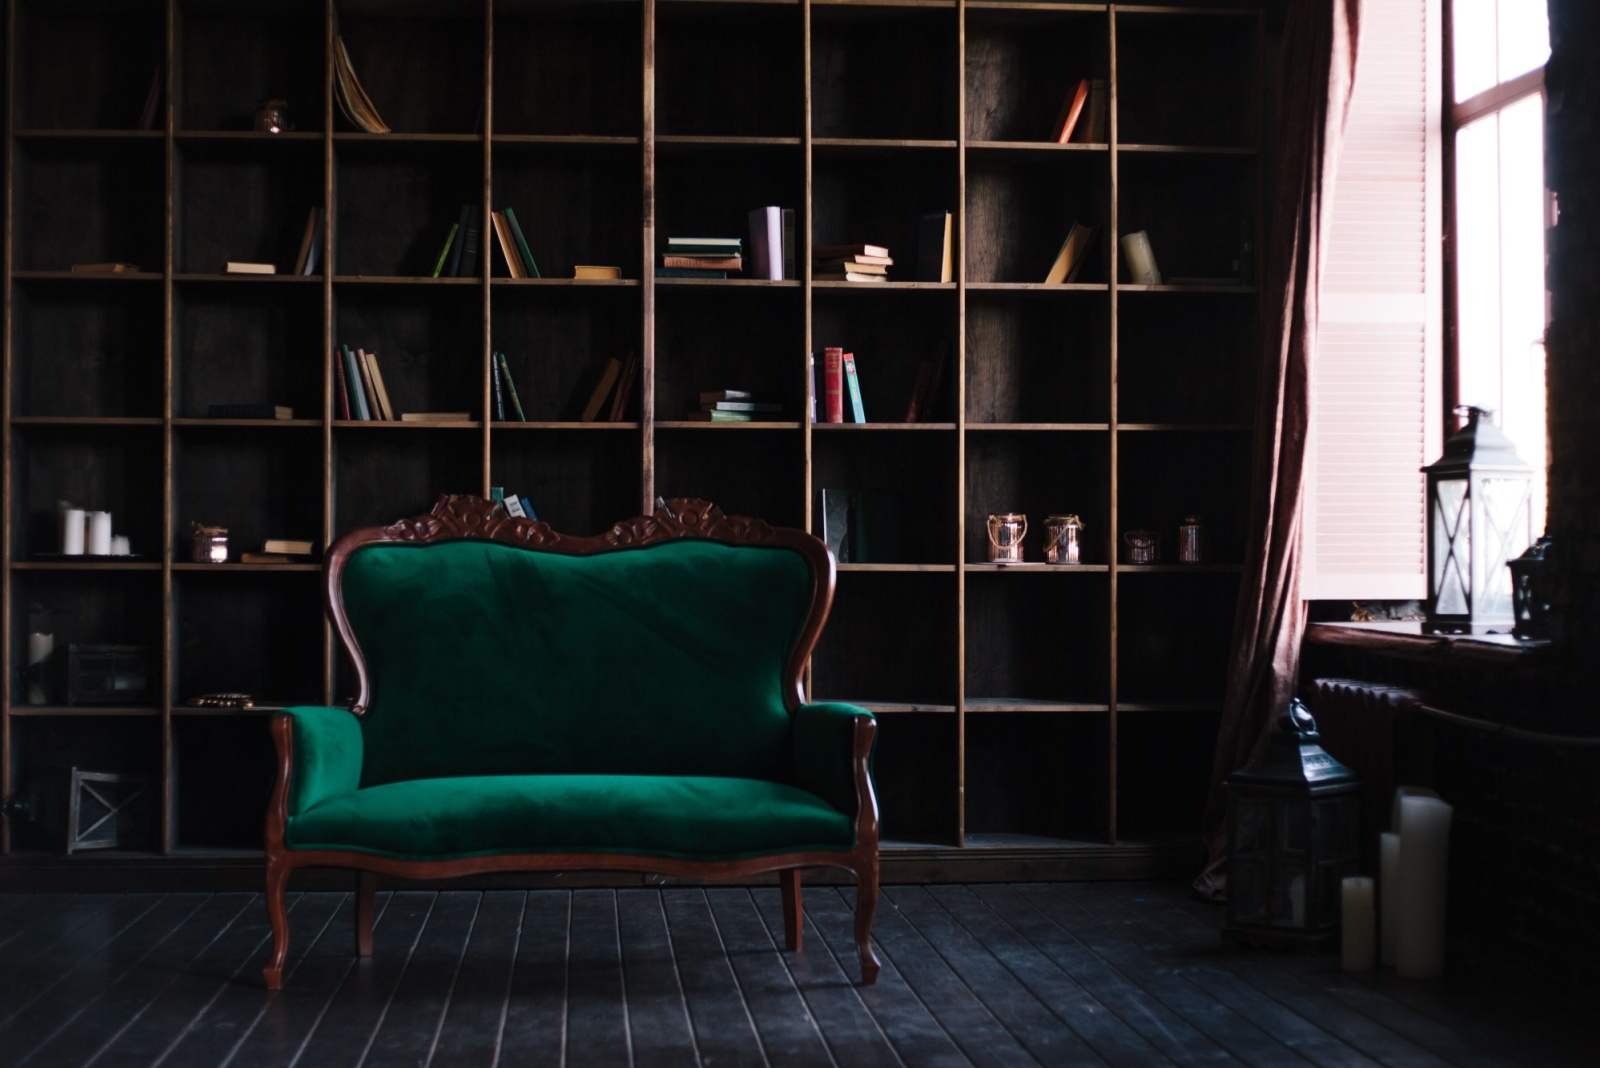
[(1316, 70)]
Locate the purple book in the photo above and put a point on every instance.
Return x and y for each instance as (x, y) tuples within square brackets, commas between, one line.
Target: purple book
[(148, 120)]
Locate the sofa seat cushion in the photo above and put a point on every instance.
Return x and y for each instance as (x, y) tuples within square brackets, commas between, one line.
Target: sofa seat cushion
[(699, 818)]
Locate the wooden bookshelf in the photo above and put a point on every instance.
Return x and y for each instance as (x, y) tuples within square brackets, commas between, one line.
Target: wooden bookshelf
[(1029, 713)]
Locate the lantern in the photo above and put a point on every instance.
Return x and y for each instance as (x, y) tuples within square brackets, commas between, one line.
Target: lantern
[(1530, 592), (1293, 835), (1478, 520)]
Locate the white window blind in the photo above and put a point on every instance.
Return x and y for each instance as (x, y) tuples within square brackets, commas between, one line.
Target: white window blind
[(1375, 384)]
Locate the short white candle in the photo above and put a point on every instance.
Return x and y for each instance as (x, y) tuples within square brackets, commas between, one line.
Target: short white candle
[(1358, 920), (1424, 869), (1388, 895), (1400, 794)]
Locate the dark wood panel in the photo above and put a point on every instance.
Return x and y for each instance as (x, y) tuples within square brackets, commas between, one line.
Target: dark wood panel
[(1021, 65), (1039, 637), (104, 468), (742, 471), (1038, 774), (1198, 210), (87, 349), (578, 483), (722, 71), (222, 776), (556, 340), (89, 203), (916, 770), (282, 467), (113, 52), (251, 632), (1163, 772), (429, 342), (384, 474), (1021, 209), (878, 198), (890, 334), (908, 478), (244, 200), (233, 57), (883, 72), (568, 69), (1186, 80), (1187, 357), (421, 67), (92, 606), (1164, 476), (394, 203), (1033, 359), (1172, 636), (574, 207), (709, 191)]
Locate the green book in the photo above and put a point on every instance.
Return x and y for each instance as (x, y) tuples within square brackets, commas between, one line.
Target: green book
[(522, 250), (444, 253), (855, 388), (511, 387)]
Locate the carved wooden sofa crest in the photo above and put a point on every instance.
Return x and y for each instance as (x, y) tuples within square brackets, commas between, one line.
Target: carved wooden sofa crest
[(528, 700)]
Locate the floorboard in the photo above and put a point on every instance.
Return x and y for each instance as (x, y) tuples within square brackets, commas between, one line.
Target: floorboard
[(1123, 974)]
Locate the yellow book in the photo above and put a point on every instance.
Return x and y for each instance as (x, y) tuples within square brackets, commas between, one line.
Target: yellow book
[(588, 271), (608, 378)]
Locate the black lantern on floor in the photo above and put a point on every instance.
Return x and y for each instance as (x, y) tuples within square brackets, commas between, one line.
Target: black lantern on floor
[(1479, 519), (1293, 820)]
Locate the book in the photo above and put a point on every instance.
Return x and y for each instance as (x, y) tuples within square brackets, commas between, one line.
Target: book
[(1072, 253), (833, 384), (704, 263), (846, 266), (834, 252), (766, 243), (468, 265), (514, 506), (378, 387), (288, 546), (343, 386), (846, 276), (444, 253), (624, 393), (1092, 123), (245, 267), (358, 388), (688, 272), (106, 268), (850, 261), (461, 231), (589, 270), (435, 417), (1141, 259), (352, 98), (741, 406), (703, 416), (152, 100), (511, 387), (790, 244), (249, 411), (711, 395), (527, 508), (530, 268), (811, 382), (268, 558), (496, 388), (853, 383), (303, 262), (729, 245), (508, 248), (1071, 109), (934, 263), (602, 387)]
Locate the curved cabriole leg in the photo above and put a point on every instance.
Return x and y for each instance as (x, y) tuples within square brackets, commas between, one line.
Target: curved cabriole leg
[(366, 887), (866, 907), (790, 881), (278, 913)]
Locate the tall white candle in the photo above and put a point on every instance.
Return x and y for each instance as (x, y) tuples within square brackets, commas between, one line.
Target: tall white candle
[(72, 522), (1400, 794), (1358, 924), (1424, 867), (1388, 895), (99, 534)]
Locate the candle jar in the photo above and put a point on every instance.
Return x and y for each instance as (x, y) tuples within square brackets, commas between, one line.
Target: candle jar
[(1006, 532), (1144, 546), (1190, 546), (272, 116), (209, 545), (1061, 545)]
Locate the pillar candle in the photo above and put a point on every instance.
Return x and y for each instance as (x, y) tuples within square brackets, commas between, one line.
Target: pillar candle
[(1400, 794), (99, 534), (1388, 895), (1358, 924), (72, 523), (1424, 860), (120, 546)]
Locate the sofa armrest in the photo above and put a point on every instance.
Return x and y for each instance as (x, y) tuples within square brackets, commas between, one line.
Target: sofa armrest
[(824, 752), (325, 754)]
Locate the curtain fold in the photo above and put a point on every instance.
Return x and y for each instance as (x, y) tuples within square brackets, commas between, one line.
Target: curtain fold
[(1316, 71)]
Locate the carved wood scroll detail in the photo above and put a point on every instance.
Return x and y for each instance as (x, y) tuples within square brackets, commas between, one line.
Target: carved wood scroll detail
[(462, 516)]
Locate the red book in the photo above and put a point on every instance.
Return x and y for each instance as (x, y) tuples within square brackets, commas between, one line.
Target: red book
[(1071, 108), (344, 391), (833, 385)]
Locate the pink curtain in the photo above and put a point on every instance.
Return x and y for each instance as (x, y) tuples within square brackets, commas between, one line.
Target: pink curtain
[(1316, 70)]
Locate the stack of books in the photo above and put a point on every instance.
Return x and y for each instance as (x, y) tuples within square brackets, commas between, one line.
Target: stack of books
[(280, 551), (850, 263), (701, 257), (360, 392), (517, 506), (733, 406)]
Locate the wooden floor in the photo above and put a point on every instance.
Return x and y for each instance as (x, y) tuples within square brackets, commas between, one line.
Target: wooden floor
[(1067, 973)]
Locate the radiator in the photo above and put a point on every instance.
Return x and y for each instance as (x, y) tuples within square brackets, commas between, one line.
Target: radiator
[(1361, 726)]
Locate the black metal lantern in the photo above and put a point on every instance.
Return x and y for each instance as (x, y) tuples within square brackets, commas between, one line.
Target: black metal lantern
[(1479, 518), (1294, 815), (1530, 592)]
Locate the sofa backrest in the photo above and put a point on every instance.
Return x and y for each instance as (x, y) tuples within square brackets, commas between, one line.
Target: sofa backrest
[(490, 658)]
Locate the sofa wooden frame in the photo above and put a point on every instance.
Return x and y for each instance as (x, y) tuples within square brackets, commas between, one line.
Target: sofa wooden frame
[(456, 517)]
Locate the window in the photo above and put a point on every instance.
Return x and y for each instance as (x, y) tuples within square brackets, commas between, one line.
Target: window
[(1501, 212)]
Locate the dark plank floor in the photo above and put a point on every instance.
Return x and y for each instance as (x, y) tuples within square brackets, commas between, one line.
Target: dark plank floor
[(1047, 974)]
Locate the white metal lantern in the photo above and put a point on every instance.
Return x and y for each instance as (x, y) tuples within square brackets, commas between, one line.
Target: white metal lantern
[(1479, 518)]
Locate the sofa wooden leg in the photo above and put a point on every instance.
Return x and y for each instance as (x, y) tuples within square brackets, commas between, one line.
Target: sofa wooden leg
[(866, 907), (366, 890), (278, 913), (792, 914)]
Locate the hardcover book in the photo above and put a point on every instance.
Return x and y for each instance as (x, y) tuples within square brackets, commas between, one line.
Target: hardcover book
[(833, 384), (853, 383), (1071, 109), (766, 244), (1072, 254), (602, 387), (589, 270), (530, 268), (934, 263), (511, 387)]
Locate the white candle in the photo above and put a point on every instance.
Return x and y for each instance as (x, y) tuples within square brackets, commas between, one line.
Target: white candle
[(99, 533), (1424, 866), (1400, 794), (72, 522), (1388, 895), (1297, 901), (120, 546), (1358, 924), (40, 646)]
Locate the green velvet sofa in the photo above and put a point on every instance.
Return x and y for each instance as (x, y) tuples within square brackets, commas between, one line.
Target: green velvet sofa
[(528, 700)]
